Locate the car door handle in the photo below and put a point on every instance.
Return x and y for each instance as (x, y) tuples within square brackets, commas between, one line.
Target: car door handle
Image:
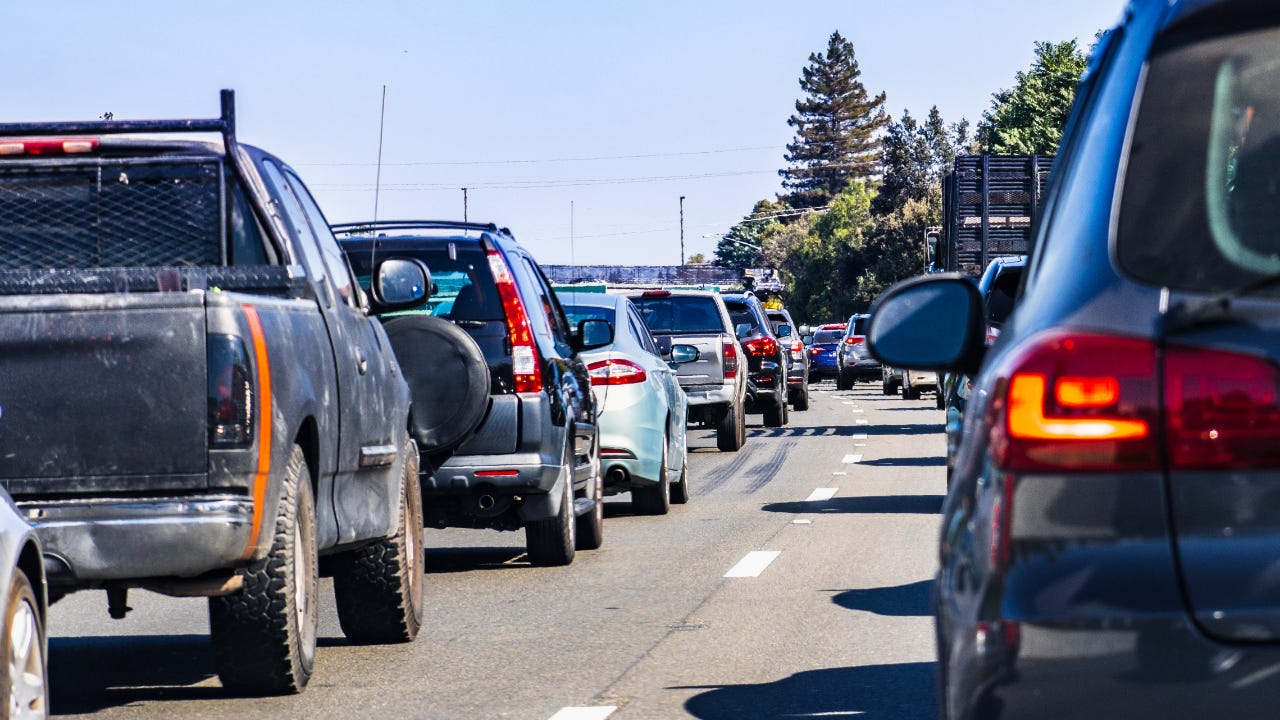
[(362, 363)]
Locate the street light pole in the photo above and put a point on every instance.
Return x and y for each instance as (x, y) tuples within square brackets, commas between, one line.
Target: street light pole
[(681, 231), (464, 204)]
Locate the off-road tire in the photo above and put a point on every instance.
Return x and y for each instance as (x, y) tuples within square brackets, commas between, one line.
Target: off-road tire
[(379, 587), (552, 541), (590, 530), (24, 686), (263, 644), (654, 499), (731, 434)]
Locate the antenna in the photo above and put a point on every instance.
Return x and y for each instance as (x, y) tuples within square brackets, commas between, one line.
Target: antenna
[(377, 185)]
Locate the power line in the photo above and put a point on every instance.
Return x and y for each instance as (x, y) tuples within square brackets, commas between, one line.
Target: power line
[(535, 184), (534, 161)]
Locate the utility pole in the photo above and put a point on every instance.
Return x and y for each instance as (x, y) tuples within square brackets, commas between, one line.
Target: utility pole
[(572, 261), (681, 231), (464, 204)]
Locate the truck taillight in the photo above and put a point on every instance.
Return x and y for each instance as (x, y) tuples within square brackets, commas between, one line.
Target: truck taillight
[(730, 354), (525, 364), (231, 392), (762, 346), (616, 372), (1221, 409), (48, 146)]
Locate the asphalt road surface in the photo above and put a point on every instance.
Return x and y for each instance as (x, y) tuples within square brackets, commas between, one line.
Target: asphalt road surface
[(794, 584)]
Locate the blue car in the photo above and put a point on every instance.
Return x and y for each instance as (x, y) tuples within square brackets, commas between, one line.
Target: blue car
[(822, 351)]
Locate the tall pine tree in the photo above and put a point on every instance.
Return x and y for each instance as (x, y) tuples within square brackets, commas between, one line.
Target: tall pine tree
[(1029, 117), (836, 123)]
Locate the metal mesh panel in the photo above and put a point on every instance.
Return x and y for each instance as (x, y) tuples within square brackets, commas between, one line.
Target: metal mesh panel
[(95, 216)]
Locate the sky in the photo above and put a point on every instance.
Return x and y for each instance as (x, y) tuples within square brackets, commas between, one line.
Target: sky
[(578, 124)]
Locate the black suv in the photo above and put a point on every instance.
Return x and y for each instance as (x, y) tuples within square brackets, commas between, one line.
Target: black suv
[(767, 365), (1109, 543), (502, 406), (798, 376)]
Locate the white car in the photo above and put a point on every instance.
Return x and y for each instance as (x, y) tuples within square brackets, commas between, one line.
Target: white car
[(23, 644), (912, 382)]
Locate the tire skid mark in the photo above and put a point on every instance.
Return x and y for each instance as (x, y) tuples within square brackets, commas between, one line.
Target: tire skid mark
[(721, 474), (765, 472)]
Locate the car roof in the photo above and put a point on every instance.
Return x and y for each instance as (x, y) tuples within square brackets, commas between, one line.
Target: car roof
[(572, 297)]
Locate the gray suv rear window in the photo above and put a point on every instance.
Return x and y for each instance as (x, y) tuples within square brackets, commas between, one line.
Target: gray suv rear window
[(676, 314), (1200, 209)]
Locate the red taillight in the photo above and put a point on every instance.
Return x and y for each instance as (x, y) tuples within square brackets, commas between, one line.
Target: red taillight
[(525, 364), (1221, 409), (854, 339), (730, 354), (616, 372), (815, 351), (1078, 402), (656, 293), (762, 346), (797, 346), (48, 146), (230, 386)]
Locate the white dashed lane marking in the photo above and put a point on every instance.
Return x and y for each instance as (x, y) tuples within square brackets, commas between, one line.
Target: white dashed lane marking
[(585, 713), (858, 410), (858, 436), (801, 521), (851, 458), (822, 494), (861, 421), (753, 564)]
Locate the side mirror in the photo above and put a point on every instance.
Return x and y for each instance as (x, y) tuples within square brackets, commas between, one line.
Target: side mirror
[(401, 283), (594, 333), (681, 354), (783, 331), (743, 330), (929, 323), (806, 339)]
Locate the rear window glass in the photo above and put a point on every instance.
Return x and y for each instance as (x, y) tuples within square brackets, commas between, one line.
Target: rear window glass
[(1200, 209), (1002, 295), (676, 314), (827, 336), (578, 313), (463, 285), (859, 326), (740, 314)]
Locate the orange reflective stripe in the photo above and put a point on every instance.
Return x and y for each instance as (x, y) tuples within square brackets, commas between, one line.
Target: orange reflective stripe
[(262, 381)]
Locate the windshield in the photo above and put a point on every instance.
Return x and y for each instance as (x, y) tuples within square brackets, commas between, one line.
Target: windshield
[(677, 314), (1201, 202), (827, 336)]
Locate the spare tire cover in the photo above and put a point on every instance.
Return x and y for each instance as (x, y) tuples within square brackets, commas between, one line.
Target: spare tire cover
[(448, 379)]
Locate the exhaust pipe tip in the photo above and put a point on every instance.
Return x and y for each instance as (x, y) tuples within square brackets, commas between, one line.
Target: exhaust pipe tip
[(486, 502)]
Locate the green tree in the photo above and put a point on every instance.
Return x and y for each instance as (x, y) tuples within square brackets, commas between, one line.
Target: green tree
[(1029, 117), (742, 247), (836, 125), (697, 259)]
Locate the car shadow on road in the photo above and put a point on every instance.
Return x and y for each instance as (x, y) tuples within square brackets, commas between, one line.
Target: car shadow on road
[(813, 431), (871, 504), (89, 674), (904, 691), (937, 461), (898, 429), (895, 600), (463, 559)]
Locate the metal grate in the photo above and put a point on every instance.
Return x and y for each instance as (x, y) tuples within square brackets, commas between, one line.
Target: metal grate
[(110, 215)]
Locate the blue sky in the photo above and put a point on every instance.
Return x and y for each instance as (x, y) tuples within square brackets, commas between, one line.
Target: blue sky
[(577, 124)]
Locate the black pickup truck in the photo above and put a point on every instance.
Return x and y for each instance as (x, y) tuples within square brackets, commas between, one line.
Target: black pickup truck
[(193, 399)]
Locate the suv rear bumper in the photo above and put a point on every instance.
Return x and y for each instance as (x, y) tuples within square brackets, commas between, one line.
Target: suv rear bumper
[(719, 394), (103, 539), (488, 486)]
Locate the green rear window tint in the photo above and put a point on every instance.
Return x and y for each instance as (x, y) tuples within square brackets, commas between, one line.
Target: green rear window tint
[(463, 285), (675, 314)]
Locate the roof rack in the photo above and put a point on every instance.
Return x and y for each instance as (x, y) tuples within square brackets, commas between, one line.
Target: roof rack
[(357, 228)]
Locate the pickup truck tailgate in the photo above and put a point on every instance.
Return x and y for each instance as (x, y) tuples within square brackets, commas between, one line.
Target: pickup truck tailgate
[(94, 387)]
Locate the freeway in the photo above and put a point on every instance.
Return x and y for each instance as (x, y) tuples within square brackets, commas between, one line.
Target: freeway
[(794, 584)]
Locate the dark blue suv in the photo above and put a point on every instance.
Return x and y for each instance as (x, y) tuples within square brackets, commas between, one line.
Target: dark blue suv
[(1110, 544)]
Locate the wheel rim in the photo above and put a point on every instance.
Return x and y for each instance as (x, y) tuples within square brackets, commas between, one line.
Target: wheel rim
[(301, 596), (26, 665), (570, 518), (412, 544)]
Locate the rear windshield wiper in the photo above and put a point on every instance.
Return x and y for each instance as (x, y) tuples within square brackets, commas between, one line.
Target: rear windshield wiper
[(1216, 307)]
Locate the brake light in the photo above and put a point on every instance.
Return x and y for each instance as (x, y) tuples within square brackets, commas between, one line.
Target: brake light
[(762, 346), (797, 346), (230, 388), (656, 293), (525, 364), (815, 351), (616, 372), (1222, 409), (854, 339), (1078, 402), (55, 146), (730, 354)]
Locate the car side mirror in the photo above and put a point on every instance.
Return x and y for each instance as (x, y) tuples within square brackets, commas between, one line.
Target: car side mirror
[(681, 354), (594, 333), (783, 331), (401, 283), (743, 330), (806, 339), (929, 323)]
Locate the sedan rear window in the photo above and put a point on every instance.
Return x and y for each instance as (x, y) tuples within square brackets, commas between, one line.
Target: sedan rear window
[(1200, 209), (827, 336)]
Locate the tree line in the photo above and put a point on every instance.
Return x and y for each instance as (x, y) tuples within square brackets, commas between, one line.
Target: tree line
[(860, 188)]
